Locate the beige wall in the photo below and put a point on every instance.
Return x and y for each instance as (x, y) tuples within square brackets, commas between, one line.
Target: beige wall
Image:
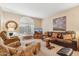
[(7, 16), (37, 22), (72, 20)]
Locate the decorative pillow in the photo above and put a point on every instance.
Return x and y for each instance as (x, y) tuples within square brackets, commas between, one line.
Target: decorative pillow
[(67, 36), (59, 36), (54, 35), (3, 35)]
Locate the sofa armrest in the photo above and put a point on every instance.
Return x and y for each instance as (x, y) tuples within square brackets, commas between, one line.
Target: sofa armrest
[(14, 44)]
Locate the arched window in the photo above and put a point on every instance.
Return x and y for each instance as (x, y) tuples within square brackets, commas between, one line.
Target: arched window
[(26, 26)]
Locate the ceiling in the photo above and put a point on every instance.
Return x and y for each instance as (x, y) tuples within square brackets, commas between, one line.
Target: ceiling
[(40, 10)]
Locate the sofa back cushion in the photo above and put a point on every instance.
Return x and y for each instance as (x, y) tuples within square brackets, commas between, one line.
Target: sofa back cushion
[(54, 35), (3, 35), (67, 37)]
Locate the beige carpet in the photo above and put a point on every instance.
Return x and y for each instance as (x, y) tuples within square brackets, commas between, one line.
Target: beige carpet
[(52, 52)]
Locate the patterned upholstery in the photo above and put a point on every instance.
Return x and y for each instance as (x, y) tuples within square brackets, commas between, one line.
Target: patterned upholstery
[(11, 41), (4, 51), (8, 47), (28, 50), (3, 35)]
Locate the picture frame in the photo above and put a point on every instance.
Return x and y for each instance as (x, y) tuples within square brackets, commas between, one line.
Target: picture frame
[(59, 24)]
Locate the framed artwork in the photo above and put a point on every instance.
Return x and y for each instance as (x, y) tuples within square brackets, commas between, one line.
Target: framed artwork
[(59, 24), (11, 24)]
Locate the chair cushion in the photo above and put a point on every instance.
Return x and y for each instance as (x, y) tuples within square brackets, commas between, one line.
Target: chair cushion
[(65, 52), (12, 50), (14, 44), (4, 51)]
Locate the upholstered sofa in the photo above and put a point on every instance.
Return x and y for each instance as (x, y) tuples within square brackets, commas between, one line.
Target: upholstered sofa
[(66, 39)]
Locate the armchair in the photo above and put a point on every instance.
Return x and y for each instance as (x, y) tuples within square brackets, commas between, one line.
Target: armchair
[(13, 42)]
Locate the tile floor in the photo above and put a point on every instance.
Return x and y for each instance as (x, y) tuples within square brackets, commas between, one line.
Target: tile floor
[(52, 52)]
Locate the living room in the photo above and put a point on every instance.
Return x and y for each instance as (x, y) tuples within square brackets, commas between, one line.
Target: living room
[(39, 29)]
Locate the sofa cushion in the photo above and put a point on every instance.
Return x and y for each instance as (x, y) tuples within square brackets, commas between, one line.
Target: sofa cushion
[(67, 37), (14, 44), (4, 51)]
